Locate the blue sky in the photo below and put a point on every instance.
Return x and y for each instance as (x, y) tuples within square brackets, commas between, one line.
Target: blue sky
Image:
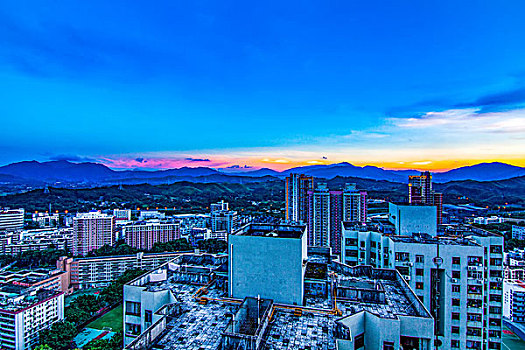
[(430, 84)]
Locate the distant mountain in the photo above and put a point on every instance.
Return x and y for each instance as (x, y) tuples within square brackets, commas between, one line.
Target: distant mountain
[(481, 172), (94, 174), (60, 170), (346, 169), (258, 173)]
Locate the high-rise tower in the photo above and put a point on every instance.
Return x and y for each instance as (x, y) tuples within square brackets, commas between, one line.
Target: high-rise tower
[(296, 192)]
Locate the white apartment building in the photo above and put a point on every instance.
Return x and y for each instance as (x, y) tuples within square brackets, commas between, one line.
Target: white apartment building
[(514, 300), (26, 311), (11, 219), (122, 214), (458, 278)]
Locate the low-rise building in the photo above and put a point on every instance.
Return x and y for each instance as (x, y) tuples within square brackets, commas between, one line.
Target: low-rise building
[(100, 271), (51, 279), (41, 239), (46, 219)]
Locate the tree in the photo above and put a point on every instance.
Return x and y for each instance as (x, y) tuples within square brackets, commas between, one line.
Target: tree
[(213, 246), (59, 336), (43, 347), (115, 343)]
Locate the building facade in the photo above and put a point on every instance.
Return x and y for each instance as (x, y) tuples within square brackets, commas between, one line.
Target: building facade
[(144, 236), (11, 219), (24, 312), (420, 192), (100, 271), (296, 197), (267, 260), (458, 277), (514, 300), (91, 231), (328, 208)]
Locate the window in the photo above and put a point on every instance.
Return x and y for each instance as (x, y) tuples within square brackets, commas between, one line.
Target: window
[(351, 242), (455, 302), (454, 344), (362, 244), (476, 303), (422, 298), (351, 252), (388, 345), (420, 258), (362, 255), (456, 274), (496, 262), (473, 289), (475, 261), (495, 273), (456, 260), (474, 332), (132, 308), (359, 341), (455, 316), (455, 330), (494, 322), (494, 334), (373, 244), (419, 285), (456, 288), (494, 310), (496, 249), (420, 272), (474, 317), (132, 329), (148, 316)]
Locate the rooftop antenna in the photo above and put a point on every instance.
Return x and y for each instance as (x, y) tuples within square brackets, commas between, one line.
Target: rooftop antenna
[(46, 189)]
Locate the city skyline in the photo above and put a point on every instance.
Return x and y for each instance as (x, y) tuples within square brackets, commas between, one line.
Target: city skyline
[(419, 86)]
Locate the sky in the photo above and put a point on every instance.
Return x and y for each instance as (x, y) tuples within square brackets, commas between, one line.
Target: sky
[(244, 85)]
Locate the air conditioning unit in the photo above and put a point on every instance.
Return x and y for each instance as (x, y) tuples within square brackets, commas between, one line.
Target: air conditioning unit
[(361, 259), (454, 280), (407, 278), (499, 279), (480, 265), (472, 268), (410, 264), (480, 281)]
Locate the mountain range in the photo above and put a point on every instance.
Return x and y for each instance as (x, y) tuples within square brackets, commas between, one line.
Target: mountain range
[(87, 173)]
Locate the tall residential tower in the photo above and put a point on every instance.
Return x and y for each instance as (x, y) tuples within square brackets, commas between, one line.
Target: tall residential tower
[(296, 192)]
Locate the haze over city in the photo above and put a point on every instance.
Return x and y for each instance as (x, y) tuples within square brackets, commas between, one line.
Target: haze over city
[(426, 85)]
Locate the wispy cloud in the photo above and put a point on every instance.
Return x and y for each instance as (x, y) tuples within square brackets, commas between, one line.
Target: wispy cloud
[(471, 120), (197, 159), (72, 158)]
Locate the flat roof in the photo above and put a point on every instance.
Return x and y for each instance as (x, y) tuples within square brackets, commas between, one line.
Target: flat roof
[(201, 323), (272, 230)]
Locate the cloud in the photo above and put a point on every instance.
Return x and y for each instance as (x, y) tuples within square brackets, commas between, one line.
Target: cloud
[(197, 159), (72, 158), (469, 120), (498, 100), (236, 166)]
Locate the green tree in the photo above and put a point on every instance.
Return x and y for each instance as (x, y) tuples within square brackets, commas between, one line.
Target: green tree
[(43, 347), (59, 336), (213, 246)]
